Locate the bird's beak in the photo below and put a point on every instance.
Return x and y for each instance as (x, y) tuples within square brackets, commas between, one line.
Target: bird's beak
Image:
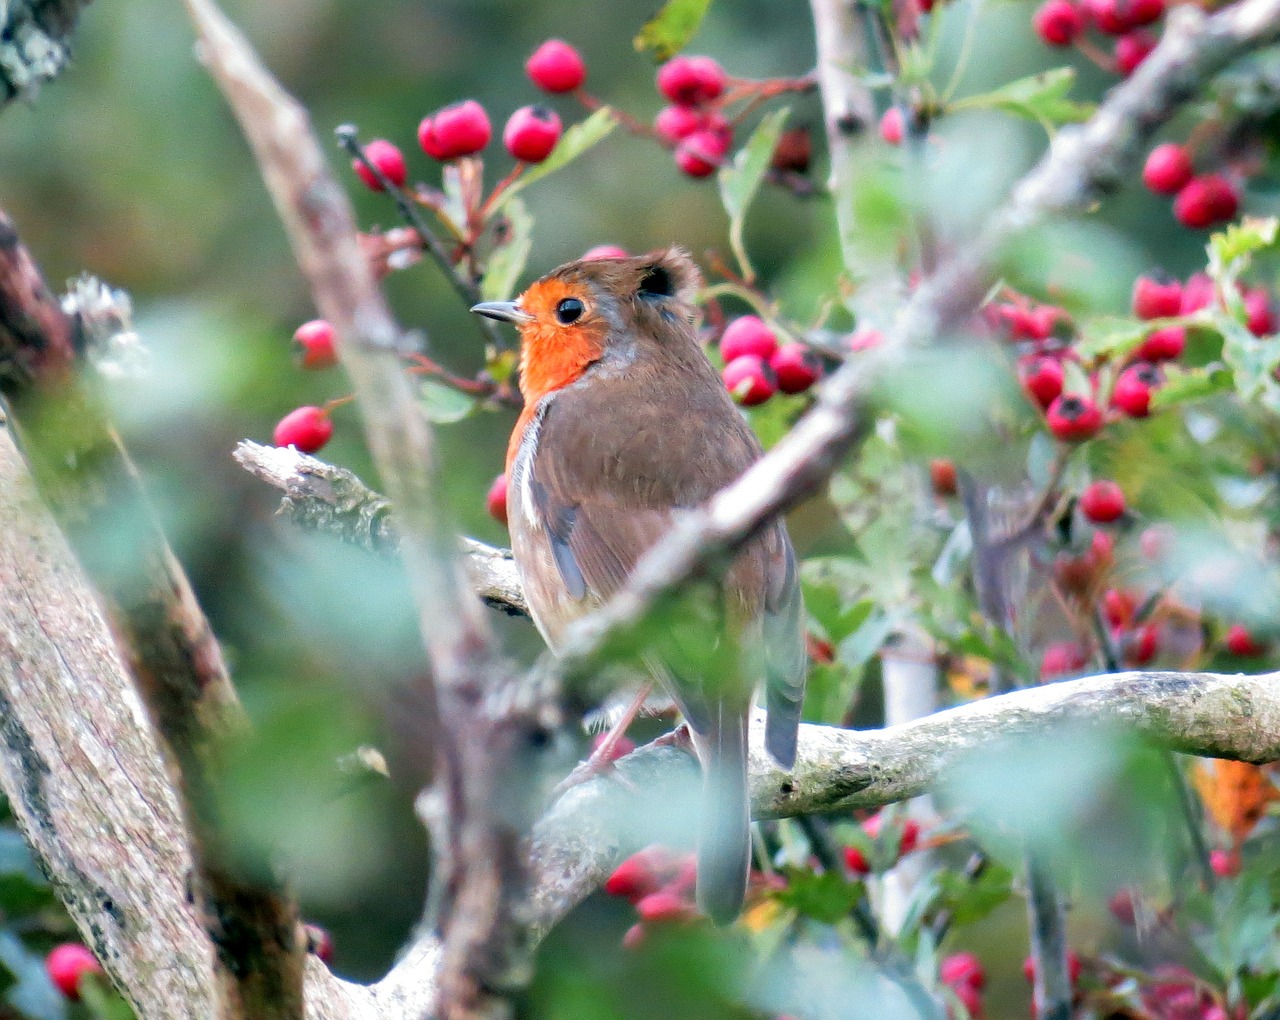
[(505, 311)]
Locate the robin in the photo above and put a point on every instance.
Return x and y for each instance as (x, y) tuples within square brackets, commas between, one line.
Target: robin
[(625, 425)]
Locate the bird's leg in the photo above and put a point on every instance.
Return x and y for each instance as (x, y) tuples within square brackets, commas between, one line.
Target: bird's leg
[(602, 758)]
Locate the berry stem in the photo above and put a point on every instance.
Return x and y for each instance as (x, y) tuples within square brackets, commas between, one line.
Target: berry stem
[(328, 408), (628, 122), (489, 203), (482, 388), (1091, 51), (349, 139)]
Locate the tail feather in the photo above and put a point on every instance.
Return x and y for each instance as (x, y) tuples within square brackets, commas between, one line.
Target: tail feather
[(724, 834)]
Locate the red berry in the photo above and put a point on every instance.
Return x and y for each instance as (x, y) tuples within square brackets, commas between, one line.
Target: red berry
[(320, 943), (796, 367), (556, 67), (1132, 392), (67, 964), (307, 428), (1168, 169), (1102, 502), (1061, 659), (623, 747), (633, 879), (688, 81), (387, 158), (1058, 22), (1240, 642), (313, 342), (891, 126), (942, 474), (1225, 863), (1144, 12), (1259, 317), (748, 334), (1163, 344), (963, 969), (1197, 293), (856, 861), (971, 999), (674, 123), (910, 838), (604, 251), (460, 129), (1073, 417), (496, 499), (750, 380), (702, 152), (429, 143), (1043, 378), (664, 906), (531, 133), (1118, 606), (1141, 646), (1206, 201), (1124, 907), (1155, 298), (1132, 49), (1109, 16)]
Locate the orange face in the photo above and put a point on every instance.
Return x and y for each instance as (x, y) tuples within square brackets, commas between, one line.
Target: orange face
[(564, 335)]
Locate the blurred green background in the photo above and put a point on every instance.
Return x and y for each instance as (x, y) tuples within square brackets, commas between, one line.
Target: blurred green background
[(131, 168)]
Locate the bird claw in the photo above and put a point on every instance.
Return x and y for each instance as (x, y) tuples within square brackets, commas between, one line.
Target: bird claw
[(596, 765), (680, 737)]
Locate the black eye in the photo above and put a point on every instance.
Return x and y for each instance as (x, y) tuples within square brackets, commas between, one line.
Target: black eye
[(570, 310)]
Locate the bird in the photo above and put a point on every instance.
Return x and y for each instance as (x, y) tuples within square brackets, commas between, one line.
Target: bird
[(625, 426)]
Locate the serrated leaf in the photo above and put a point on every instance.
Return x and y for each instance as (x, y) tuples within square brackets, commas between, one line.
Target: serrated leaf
[(443, 404), (826, 897), (1111, 336), (1039, 97), (1182, 385), (669, 31), (970, 900), (740, 181), (575, 141), (1243, 239), (1252, 361), (507, 262)]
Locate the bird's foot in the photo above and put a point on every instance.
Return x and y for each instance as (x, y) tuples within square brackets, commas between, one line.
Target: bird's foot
[(680, 737)]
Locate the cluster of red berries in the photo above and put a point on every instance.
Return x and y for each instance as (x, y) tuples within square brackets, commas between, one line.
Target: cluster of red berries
[(660, 884), (693, 124), (309, 428), (965, 976), (1064, 22), (756, 366), (1177, 994), (889, 844), (67, 966), (1200, 200)]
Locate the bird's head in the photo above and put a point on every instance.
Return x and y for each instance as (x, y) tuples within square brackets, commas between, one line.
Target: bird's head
[(589, 312)]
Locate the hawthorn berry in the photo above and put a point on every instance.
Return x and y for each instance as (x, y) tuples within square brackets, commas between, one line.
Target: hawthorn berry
[(1259, 316), (1156, 298), (313, 343), (664, 906), (1163, 344), (1141, 645), (748, 334), (429, 143), (1197, 293), (67, 964), (1102, 502), (1029, 323), (796, 367), (674, 123), (1132, 391), (1118, 606), (1144, 12), (306, 429), (1062, 658), (387, 158), (635, 878), (970, 997), (1109, 16), (699, 154), (1043, 378), (856, 861), (689, 81), (963, 969), (604, 251), (1206, 201), (1240, 642), (1132, 49), (1225, 863), (555, 66), (1073, 417), (1168, 169), (495, 501), (891, 126), (750, 379), (531, 133), (460, 129), (1058, 22), (942, 475)]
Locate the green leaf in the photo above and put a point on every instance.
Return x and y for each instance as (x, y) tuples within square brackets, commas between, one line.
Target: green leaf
[(669, 31), (443, 404), (1112, 336), (577, 140), (1182, 385), (864, 642), (1040, 97), (740, 181), (508, 260), (970, 900), (827, 897), (1243, 239), (1252, 361)]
